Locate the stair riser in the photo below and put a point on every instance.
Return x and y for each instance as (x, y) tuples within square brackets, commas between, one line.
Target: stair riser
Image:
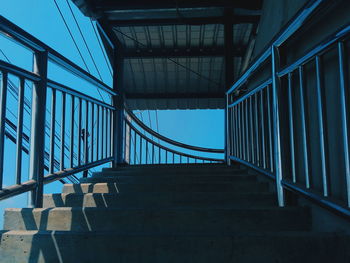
[(106, 248), (161, 200), (168, 179), (157, 221), (247, 187)]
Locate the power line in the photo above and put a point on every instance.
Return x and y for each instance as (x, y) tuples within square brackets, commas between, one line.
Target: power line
[(71, 35), (84, 40), (102, 49), (87, 47)]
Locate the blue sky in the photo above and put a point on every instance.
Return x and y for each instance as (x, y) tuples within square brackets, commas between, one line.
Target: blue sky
[(41, 19)]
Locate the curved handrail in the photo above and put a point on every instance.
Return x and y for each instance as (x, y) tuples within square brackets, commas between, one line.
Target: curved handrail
[(170, 141), (168, 149)]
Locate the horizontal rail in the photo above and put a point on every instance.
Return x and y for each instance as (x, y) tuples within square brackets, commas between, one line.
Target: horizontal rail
[(170, 141), (18, 72), (318, 50), (296, 23), (77, 94)]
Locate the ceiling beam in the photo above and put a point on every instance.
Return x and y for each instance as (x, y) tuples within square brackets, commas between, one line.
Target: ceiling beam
[(237, 19), (238, 51), (215, 95), (166, 4)]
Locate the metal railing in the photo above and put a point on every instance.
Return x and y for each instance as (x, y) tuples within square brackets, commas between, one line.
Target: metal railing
[(141, 147), (84, 139), (265, 124), (70, 131)]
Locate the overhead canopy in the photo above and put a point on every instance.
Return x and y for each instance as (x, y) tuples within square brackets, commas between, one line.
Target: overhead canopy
[(175, 54)]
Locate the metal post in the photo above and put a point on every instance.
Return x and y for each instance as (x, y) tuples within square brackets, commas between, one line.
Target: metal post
[(19, 131), (227, 133), (303, 127), (71, 148), (262, 123), (321, 114), (37, 139), (344, 116), (291, 127), (276, 125), (3, 95), (118, 103), (63, 127)]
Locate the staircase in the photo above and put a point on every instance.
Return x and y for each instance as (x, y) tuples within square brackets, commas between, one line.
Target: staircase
[(167, 213)]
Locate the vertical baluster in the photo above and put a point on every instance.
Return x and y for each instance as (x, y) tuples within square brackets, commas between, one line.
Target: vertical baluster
[(110, 135), (71, 147), (135, 135), (243, 131), (19, 131), (173, 158), (239, 141), (291, 127), (262, 123), (79, 130), (247, 130), (92, 136), (180, 158), (97, 131), (344, 86), (303, 127), (166, 157), (106, 132), (146, 151), (140, 161), (257, 134), (129, 132), (269, 124), (102, 132), (251, 121), (321, 114), (237, 133), (63, 129), (3, 98), (159, 153), (152, 153), (188, 160), (86, 134), (52, 131)]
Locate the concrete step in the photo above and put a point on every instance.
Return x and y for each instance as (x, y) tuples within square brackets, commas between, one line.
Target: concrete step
[(106, 247), (168, 172), (162, 200), (158, 220), (239, 187), (177, 166), (170, 179)]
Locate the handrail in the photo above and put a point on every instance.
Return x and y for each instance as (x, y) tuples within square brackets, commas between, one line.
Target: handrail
[(254, 133), (293, 26), (27, 40), (170, 141), (82, 143), (171, 150)]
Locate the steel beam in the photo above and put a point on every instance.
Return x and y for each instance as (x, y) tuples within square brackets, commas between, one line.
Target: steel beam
[(237, 51)]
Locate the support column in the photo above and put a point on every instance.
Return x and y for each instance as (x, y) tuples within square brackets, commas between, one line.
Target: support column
[(37, 138), (118, 115), (229, 77)]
